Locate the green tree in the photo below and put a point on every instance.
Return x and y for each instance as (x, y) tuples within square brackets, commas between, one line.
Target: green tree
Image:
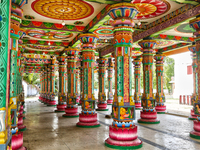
[(32, 78), (168, 73)]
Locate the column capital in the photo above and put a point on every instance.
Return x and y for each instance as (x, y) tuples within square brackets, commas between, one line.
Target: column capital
[(137, 60), (192, 48), (72, 51), (159, 57), (147, 44), (120, 11)]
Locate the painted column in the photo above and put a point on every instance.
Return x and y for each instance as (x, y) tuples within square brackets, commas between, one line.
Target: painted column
[(123, 131), (52, 101), (195, 24), (45, 85), (61, 95), (110, 76), (102, 104), (40, 97), (137, 68), (160, 96), (148, 114), (81, 83), (72, 108), (48, 84), (195, 80), (77, 86), (5, 70), (88, 116)]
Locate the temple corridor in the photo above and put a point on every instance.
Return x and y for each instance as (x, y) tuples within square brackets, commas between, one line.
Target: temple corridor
[(47, 130)]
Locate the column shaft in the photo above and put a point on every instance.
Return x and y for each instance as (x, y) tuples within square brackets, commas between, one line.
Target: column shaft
[(110, 76), (102, 104)]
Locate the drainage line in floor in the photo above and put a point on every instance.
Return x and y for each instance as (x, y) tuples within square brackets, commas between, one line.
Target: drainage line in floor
[(144, 140), (171, 134)]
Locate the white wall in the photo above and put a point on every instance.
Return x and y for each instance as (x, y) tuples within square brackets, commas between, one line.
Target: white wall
[(29, 90), (183, 82)]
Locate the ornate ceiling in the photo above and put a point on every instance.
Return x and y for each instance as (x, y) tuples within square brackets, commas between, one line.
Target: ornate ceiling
[(52, 25)]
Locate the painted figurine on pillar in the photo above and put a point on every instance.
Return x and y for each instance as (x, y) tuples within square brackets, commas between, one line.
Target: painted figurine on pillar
[(110, 76), (102, 104), (148, 114), (137, 69), (160, 96), (52, 101), (123, 131), (88, 116), (195, 80), (72, 107), (61, 95), (195, 24)]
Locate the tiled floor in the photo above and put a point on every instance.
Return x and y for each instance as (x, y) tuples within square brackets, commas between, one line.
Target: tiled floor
[(47, 130)]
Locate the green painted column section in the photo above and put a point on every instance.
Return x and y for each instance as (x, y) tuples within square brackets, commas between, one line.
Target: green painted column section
[(4, 35)]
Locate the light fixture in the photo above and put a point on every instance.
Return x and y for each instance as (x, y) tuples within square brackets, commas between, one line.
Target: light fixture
[(49, 43), (139, 23), (63, 23)]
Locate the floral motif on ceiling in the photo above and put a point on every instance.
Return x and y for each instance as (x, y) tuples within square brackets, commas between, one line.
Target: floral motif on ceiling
[(150, 8), (63, 9), (40, 47), (29, 17), (49, 35), (184, 28), (104, 32)]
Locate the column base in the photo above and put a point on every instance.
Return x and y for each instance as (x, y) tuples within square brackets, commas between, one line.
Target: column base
[(192, 116), (88, 121), (138, 106), (52, 103), (102, 107), (109, 102), (17, 142), (161, 109), (78, 99), (196, 133), (61, 108), (123, 138), (71, 112), (148, 117)]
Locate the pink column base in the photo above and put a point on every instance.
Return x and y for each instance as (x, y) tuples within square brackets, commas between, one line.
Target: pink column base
[(78, 99), (52, 103), (88, 120), (71, 112), (109, 101), (161, 109), (47, 101), (138, 105), (102, 107), (17, 141), (61, 108), (123, 136), (196, 132), (148, 117), (192, 116)]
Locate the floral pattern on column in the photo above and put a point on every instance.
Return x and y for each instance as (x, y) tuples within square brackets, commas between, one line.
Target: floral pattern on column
[(160, 96), (195, 80), (123, 131), (88, 116), (61, 95), (72, 108), (148, 114), (102, 105), (137, 68), (195, 24), (52, 101), (110, 76)]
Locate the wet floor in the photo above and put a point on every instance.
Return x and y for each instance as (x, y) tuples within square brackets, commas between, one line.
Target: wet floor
[(47, 130)]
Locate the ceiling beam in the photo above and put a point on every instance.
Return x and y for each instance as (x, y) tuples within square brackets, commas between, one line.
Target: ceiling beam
[(53, 26), (168, 22), (174, 38), (177, 51)]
